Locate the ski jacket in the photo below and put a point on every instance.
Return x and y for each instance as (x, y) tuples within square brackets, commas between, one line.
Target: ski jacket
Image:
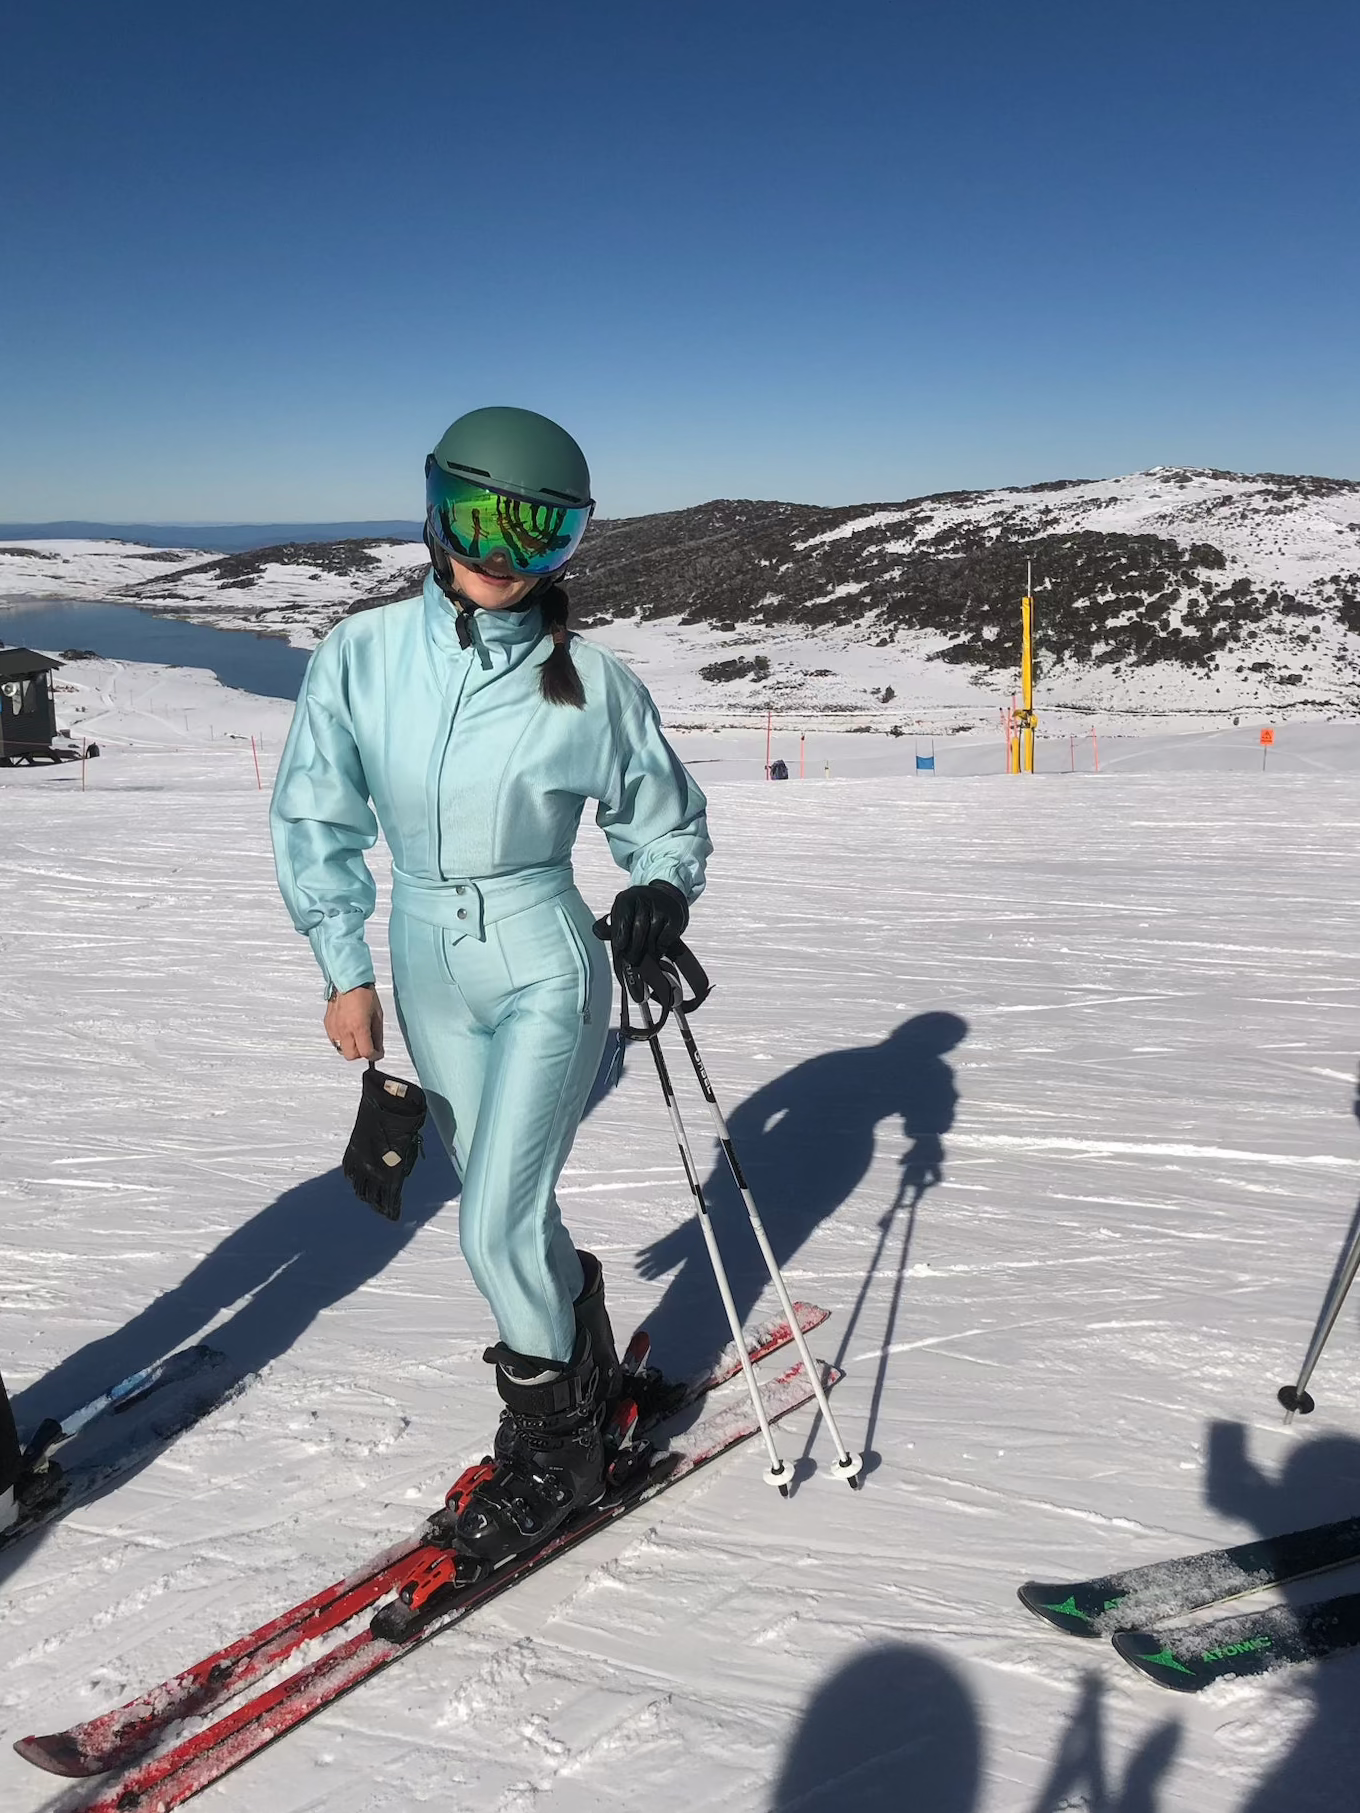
[(476, 780)]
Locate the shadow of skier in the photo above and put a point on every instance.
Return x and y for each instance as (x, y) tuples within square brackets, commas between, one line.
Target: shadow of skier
[(1319, 1483), (310, 1248), (1079, 1779), (806, 1141), (893, 1731)]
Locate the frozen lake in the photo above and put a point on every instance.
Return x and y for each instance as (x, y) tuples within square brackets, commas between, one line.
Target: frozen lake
[(259, 664)]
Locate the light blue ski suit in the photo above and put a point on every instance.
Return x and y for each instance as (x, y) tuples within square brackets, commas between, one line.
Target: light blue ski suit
[(502, 991)]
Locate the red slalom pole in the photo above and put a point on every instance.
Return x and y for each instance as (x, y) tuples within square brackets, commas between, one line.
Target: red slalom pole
[(255, 752), (769, 729)]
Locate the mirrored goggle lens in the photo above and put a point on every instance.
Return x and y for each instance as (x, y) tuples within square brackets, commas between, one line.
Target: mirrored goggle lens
[(475, 524)]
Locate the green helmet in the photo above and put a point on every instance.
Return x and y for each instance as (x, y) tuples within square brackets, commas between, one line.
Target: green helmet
[(516, 451)]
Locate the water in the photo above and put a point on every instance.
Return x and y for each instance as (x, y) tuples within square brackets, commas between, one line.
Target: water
[(120, 632)]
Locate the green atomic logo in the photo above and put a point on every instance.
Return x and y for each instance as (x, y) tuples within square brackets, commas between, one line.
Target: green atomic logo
[(1244, 1648)]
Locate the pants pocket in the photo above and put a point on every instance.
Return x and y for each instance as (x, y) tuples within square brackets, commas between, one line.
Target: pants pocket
[(580, 961)]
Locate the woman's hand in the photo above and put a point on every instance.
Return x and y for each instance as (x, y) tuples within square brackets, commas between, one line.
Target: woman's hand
[(646, 921), (354, 1022)]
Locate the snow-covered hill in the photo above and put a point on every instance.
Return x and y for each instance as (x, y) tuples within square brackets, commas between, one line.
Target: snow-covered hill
[(1176, 593), (1062, 1359)]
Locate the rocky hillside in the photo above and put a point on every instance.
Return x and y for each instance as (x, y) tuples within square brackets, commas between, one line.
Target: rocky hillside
[(1174, 590), (1184, 567)]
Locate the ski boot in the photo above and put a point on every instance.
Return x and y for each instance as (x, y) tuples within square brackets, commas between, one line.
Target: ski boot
[(629, 1380), (654, 1396), (593, 1317), (37, 1491), (548, 1464)]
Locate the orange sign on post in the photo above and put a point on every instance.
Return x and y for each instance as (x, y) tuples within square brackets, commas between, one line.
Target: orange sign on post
[(1267, 739)]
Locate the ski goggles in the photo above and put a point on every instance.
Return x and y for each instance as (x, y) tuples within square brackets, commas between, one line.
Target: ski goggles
[(475, 523)]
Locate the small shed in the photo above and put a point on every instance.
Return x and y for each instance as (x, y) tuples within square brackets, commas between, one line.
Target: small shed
[(28, 713)]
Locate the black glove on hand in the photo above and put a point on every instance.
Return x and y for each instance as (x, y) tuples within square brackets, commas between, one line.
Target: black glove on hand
[(647, 921), (385, 1143)]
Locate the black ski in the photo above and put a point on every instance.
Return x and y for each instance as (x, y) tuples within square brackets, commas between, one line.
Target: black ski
[(1142, 1596), (176, 1393), (1193, 1656)]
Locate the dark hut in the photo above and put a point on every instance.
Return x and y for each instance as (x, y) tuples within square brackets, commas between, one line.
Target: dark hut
[(28, 714)]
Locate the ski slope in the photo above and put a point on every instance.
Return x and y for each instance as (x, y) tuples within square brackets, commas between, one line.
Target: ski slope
[(1110, 1021)]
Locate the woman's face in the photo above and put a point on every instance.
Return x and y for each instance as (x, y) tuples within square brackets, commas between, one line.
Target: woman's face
[(490, 590)]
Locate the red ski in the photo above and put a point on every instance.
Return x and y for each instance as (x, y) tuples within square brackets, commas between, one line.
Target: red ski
[(167, 1780), (116, 1739)]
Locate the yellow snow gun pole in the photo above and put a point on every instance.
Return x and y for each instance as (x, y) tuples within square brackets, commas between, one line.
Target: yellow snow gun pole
[(1026, 718)]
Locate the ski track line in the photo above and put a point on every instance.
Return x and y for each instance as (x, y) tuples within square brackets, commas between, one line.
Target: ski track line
[(1115, 1148)]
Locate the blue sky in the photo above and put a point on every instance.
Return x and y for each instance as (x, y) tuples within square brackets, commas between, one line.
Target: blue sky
[(255, 257)]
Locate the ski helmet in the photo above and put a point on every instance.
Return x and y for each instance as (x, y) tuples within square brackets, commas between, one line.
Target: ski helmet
[(508, 482)]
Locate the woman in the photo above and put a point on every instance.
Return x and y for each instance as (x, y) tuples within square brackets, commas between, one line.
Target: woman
[(471, 727)]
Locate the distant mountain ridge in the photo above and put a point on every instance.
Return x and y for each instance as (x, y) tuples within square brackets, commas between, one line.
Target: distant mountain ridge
[(219, 538)]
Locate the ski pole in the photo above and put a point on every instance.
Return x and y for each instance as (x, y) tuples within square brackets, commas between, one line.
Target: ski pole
[(778, 1473), (847, 1465), (1296, 1397)]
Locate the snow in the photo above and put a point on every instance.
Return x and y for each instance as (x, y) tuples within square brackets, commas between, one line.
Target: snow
[(1062, 1360)]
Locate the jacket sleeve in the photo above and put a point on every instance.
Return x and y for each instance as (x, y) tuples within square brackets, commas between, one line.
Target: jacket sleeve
[(321, 822), (655, 816)]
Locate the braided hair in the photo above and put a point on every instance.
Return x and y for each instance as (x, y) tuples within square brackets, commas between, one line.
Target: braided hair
[(558, 678)]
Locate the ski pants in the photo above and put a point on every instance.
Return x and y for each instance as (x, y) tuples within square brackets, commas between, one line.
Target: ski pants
[(506, 1022)]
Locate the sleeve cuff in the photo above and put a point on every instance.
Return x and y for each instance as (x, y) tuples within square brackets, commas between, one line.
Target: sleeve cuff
[(345, 963)]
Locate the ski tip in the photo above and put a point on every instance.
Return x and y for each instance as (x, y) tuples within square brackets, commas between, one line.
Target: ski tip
[(58, 1753), (810, 1315), (1152, 1656), (1056, 1604)]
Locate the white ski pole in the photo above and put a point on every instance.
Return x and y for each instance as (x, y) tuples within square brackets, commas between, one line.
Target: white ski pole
[(1295, 1397), (847, 1466), (778, 1473)]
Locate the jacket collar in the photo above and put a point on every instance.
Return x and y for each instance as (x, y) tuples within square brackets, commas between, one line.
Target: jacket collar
[(508, 631)]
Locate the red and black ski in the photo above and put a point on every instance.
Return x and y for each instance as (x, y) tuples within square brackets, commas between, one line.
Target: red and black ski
[(116, 1739), (166, 1781)]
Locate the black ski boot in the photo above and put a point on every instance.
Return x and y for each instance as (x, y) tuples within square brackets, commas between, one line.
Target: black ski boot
[(548, 1460), (593, 1317)]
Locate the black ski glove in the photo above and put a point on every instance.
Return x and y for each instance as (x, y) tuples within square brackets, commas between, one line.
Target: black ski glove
[(385, 1143), (647, 921)]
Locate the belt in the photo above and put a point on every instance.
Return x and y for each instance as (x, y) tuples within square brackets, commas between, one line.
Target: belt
[(466, 907)]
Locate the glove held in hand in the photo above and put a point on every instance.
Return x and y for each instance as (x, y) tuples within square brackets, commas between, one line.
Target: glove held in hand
[(386, 1142)]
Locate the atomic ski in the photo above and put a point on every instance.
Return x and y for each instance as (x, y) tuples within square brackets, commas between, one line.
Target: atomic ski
[(1142, 1596), (1193, 1656), (182, 1389), (167, 1780), (118, 1738)]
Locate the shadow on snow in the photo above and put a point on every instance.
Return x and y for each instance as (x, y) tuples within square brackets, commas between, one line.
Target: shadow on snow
[(806, 1141)]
